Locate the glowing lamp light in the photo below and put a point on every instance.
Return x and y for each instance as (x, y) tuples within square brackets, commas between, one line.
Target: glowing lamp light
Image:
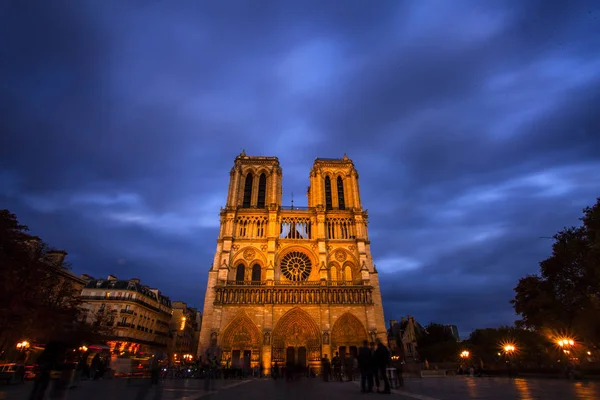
[(464, 354), (23, 345), (562, 342), (509, 348)]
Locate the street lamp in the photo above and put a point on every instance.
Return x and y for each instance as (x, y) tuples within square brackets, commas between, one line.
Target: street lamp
[(464, 355), (509, 350)]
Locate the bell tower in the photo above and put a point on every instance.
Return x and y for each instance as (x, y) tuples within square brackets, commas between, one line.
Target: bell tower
[(255, 182), (334, 184)]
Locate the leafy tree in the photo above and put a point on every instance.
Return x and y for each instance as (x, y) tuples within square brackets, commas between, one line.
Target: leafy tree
[(485, 344), (565, 296), (36, 301), (437, 344)]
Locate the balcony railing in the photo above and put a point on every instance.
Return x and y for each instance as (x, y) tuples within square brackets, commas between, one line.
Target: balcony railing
[(122, 299), (227, 295), (125, 324), (295, 283)]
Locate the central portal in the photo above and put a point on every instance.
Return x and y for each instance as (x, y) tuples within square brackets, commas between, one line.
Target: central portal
[(296, 356), (296, 340)]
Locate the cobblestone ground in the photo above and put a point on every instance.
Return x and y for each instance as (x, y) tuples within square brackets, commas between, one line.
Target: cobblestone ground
[(455, 388)]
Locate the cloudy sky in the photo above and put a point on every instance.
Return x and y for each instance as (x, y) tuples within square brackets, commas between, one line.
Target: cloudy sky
[(474, 126)]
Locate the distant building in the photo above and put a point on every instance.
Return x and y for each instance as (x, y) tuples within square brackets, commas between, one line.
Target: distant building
[(454, 331), (139, 314), (184, 332), (402, 338)]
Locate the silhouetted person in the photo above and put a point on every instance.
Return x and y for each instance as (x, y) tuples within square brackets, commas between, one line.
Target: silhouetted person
[(325, 367), (364, 365), (51, 359), (95, 366), (374, 371), (382, 359), (336, 363)]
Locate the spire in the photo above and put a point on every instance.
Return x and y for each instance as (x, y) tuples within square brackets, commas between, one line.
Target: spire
[(292, 200), (243, 153)]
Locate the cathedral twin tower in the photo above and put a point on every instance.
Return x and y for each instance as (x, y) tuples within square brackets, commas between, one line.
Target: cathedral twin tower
[(291, 284)]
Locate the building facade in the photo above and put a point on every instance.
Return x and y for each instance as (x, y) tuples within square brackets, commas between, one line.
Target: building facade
[(291, 284), (184, 328), (402, 338), (138, 315)]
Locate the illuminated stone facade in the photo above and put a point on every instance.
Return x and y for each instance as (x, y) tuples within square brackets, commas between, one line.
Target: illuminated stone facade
[(291, 284)]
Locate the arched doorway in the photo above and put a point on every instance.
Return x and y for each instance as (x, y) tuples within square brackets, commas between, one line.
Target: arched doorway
[(296, 340), (241, 343), (347, 335)]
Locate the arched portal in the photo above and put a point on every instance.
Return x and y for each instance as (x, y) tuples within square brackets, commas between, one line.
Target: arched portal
[(347, 334), (296, 339), (241, 343)]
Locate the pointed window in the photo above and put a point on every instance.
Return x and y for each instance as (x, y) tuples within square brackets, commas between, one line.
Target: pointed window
[(239, 273), (262, 191), (256, 273), (248, 191), (328, 204), (340, 188)]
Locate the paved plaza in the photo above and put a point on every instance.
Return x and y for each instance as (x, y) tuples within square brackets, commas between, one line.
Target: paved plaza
[(451, 388)]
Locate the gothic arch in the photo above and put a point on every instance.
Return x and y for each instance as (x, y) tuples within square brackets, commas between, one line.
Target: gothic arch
[(296, 329), (334, 271), (241, 334), (348, 331), (341, 255), (249, 255)]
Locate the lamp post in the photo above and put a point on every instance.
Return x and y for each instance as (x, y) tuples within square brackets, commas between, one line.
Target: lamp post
[(464, 356), (509, 350), (22, 347), (566, 345)]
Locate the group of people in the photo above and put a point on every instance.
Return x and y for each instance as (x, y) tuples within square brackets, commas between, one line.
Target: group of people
[(372, 360)]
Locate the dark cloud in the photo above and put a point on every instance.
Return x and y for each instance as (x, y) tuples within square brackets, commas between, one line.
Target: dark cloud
[(473, 126)]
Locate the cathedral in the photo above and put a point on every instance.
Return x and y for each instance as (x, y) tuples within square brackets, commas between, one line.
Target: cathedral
[(291, 284)]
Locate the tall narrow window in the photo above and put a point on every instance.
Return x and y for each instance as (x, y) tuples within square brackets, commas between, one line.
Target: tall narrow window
[(262, 191), (328, 204), (239, 273), (340, 188), (247, 191), (256, 273)]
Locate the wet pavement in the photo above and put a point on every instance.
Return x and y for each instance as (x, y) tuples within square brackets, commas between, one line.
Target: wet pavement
[(451, 388)]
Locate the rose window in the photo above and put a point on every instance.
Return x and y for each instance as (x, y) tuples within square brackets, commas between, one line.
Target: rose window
[(296, 266)]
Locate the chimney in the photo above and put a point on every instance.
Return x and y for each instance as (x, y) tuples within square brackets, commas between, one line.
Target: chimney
[(135, 280), (56, 257), (393, 322), (87, 277), (112, 278)]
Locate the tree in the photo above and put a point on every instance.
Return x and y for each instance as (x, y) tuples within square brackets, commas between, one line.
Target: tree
[(36, 301), (565, 296), (437, 344)]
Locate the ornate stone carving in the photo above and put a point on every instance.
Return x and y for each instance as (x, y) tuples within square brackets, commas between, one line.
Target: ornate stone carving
[(249, 254), (263, 247), (296, 329), (351, 248), (340, 255), (296, 266), (235, 247), (373, 334), (348, 331), (241, 334), (325, 337), (267, 338), (314, 246)]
